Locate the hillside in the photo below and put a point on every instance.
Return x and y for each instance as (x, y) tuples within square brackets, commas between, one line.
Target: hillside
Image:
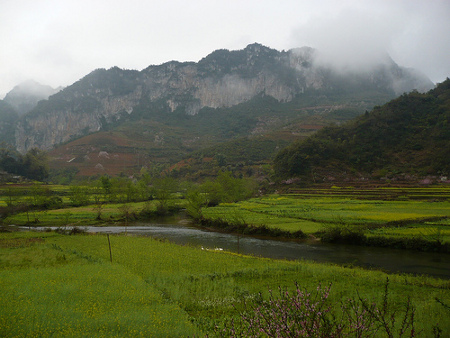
[(223, 79), (407, 138), (246, 135), (8, 121), (243, 105)]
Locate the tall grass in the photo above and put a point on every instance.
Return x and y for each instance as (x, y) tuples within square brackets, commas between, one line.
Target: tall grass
[(56, 285), (53, 291), (210, 285)]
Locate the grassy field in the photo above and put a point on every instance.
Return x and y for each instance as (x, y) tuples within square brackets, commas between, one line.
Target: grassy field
[(62, 286), (78, 216), (389, 213)]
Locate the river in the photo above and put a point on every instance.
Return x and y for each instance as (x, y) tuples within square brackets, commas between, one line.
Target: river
[(389, 260)]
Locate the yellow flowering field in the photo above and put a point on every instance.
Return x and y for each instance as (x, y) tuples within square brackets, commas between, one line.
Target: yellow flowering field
[(65, 286)]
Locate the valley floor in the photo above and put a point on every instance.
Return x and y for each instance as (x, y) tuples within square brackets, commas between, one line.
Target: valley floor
[(59, 285)]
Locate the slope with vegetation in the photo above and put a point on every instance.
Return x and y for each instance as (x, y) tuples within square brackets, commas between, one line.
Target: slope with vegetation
[(409, 135), (166, 112)]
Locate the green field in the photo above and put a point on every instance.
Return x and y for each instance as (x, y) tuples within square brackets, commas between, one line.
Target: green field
[(77, 216), (65, 286), (387, 212), (56, 285), (421, 213)]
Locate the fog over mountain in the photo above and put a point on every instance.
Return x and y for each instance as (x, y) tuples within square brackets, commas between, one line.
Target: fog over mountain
[(25, 96), (58, 42), (222, 79)]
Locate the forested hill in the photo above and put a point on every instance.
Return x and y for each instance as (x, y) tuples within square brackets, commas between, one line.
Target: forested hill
[(407, 137)]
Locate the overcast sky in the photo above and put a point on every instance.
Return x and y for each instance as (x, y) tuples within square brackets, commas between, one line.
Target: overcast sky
[(56, 42)]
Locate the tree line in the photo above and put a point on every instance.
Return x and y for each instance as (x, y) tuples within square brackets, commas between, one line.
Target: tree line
[(32, 165)]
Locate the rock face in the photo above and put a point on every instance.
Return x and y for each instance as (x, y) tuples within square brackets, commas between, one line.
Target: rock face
[(222, 79)]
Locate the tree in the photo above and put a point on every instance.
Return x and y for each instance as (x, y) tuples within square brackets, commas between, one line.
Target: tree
[(164, 187), (126, 211), (79, 195), (226, 188), (98, 207), (10, 159), (106, 185), (35, 164), (196, 200)]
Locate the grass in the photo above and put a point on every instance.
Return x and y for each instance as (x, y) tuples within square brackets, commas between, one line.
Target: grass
[(310, 213), (56, 285), (85, 215), (50, 291), (433, 231)]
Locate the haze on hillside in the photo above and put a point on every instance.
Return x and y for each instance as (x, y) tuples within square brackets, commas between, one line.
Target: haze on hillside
[(25, 96), (58, 42)]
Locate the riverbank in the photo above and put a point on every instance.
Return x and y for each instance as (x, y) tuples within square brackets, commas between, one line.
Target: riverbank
[(419, 221), (68, 286), (404, 218), (373, 258)]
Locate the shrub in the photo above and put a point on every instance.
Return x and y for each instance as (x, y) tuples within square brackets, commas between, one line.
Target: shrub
[(343, 234), (311, 314)]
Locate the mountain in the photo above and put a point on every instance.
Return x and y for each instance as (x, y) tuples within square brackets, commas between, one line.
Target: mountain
[(25, 96), (221, 80), (407, 138), (8, 121)]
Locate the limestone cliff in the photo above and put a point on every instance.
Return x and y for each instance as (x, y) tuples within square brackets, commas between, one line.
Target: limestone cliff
[(222, 79)]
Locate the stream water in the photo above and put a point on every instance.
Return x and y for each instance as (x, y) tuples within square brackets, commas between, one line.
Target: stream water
[(389, 260)]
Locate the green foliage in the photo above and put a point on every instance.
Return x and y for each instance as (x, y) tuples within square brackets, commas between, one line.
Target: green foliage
[(79, 195), (164, 188), (33, 165), (106, 185), (63, 176), (226, 188), (8, 120), (196, 200), (402, 218), (409, 135)]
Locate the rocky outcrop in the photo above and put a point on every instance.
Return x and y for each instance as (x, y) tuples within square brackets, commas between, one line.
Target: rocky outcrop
[(222, 79)]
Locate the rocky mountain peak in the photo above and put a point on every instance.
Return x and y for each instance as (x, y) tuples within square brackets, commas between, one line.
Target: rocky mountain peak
[(220, 80)]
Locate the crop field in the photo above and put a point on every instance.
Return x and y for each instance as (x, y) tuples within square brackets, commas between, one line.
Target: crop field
[(59, 285), (49, 291), (77, 216), (420, 214)]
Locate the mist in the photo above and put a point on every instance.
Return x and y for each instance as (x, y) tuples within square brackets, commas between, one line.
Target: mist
[(358, 36), (58, 42)]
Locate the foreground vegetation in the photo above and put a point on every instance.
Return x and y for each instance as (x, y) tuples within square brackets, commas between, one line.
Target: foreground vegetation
[(59, 285)]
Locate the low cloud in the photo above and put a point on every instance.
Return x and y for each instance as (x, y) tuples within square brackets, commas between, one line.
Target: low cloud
[(360, 34), (57, 42)]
